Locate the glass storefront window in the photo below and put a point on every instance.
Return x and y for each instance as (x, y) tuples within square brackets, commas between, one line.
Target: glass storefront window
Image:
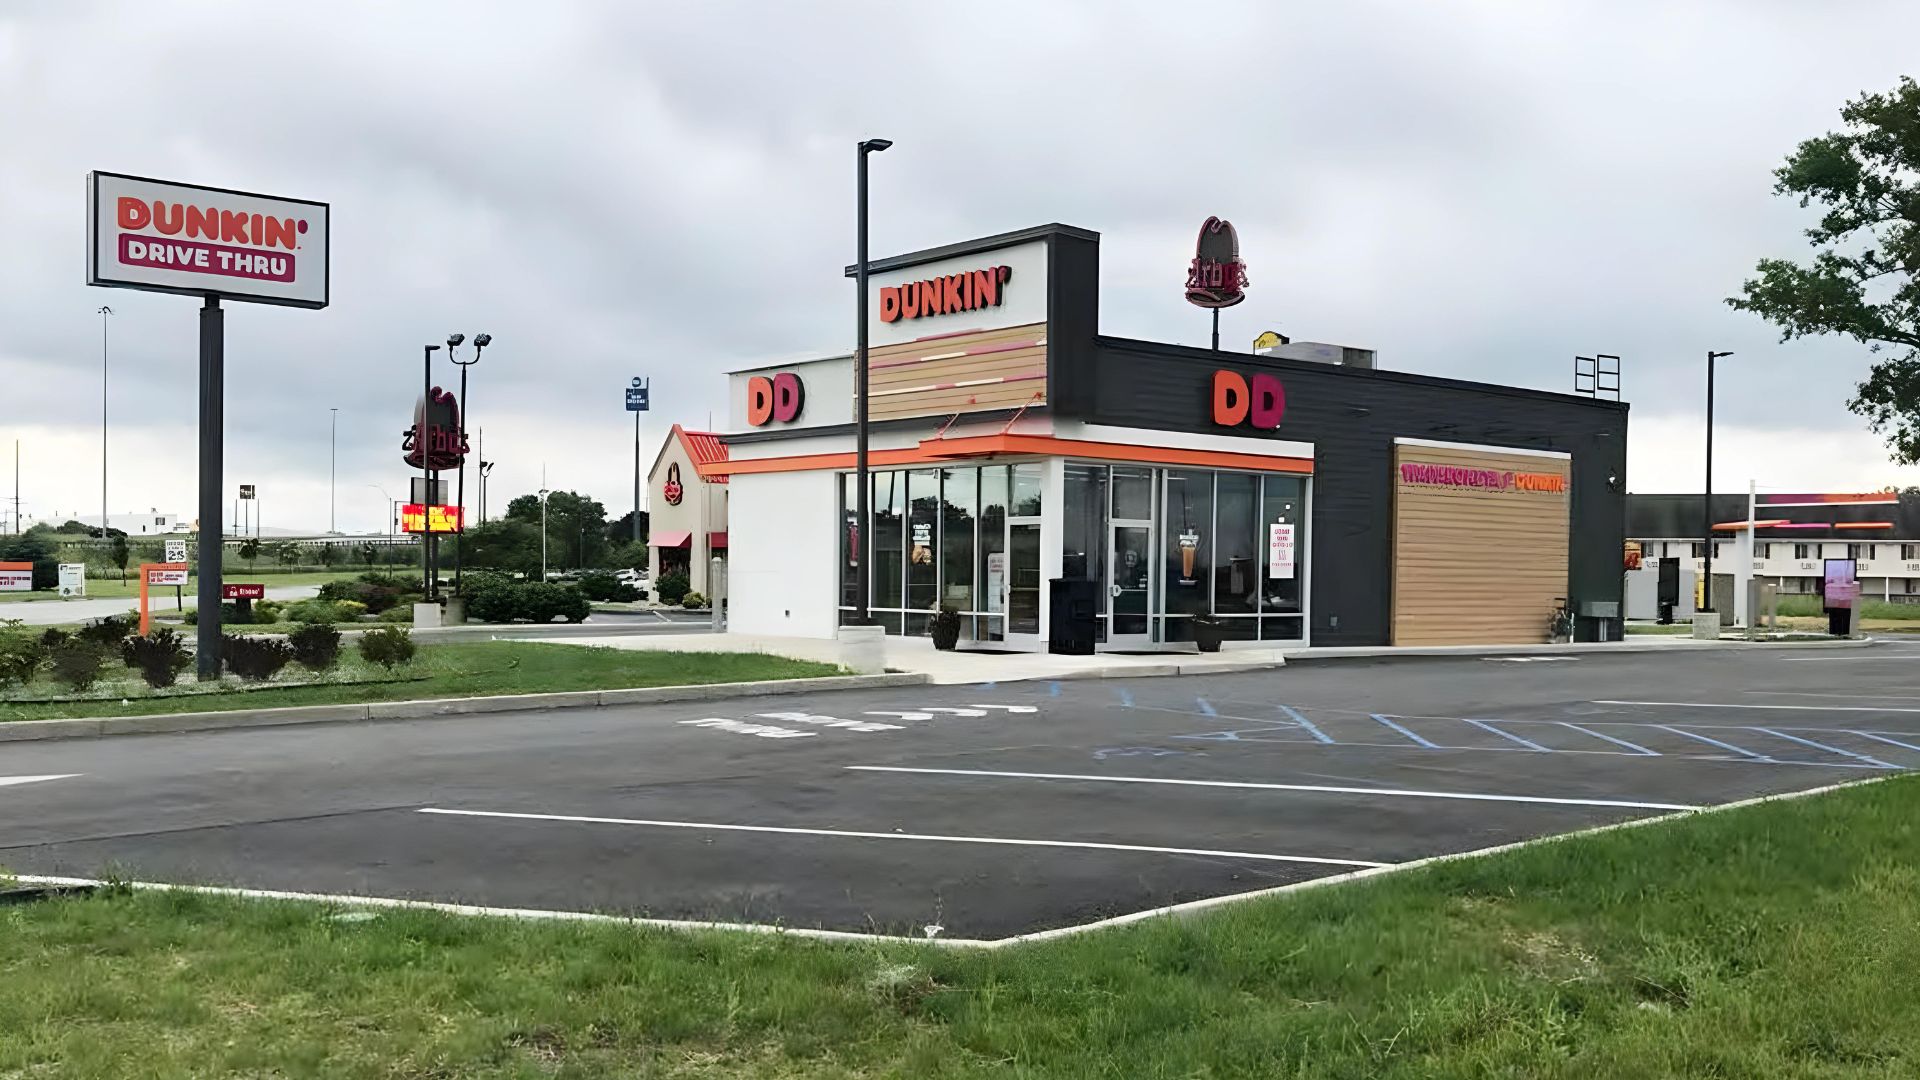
[(923, 541), (1237, 544), (889, 537), (959, 503), (1284, 503), (1132, 492), (1085, 541), (1026, 489), (849, 552), (1188, 528), (1023, 586)]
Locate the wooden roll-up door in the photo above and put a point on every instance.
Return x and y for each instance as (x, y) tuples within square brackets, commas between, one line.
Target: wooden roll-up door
[(1479, 545)]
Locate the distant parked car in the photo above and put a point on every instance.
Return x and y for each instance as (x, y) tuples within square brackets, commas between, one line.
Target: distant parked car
[(631, 577)]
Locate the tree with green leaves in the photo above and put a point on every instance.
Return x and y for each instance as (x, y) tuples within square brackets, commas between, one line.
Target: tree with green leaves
[(327, 555), (287, 552), (507, 545), (576, 526), (250, 550), (369, 551), (1863, 281), (118, 551)]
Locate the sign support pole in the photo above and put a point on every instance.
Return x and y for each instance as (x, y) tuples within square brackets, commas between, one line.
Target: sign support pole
[(636, 476), (212, 453)]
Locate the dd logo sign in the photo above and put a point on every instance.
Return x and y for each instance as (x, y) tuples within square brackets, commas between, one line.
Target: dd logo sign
[(777, 399), (1260, 401)]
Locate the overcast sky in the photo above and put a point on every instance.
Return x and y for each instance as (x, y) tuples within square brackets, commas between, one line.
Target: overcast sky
[(1475, 190)]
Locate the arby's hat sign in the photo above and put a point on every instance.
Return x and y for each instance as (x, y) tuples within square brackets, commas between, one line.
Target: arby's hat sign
[(1217, 278), (446, 441)]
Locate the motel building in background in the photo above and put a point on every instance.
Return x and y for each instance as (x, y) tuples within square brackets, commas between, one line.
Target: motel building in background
[(1026, 467), (1793, 536)]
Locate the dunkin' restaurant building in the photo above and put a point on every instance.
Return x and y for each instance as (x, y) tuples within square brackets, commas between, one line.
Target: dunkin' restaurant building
[(1296, 501)]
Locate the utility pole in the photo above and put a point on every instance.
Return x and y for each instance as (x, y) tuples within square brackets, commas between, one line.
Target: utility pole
[(863, 572), (333, 460)]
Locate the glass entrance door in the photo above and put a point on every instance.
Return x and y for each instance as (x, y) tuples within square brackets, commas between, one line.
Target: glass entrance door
[(1023, 584), (1131, 585)]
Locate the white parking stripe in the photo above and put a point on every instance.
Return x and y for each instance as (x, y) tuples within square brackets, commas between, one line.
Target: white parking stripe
[(1470, 796), (1727, 705), (1010, 841), (7, 780)]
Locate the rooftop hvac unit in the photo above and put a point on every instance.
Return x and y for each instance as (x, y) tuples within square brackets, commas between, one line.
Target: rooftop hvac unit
[(1320, 352)]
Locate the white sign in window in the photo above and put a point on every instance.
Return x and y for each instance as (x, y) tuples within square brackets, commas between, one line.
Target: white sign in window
[(1280, 550)]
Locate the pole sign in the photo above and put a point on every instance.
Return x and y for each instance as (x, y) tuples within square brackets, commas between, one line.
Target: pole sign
[(418, 518), (446, 441), (184, 238), (1216, 278), (420, 494), (637, 392), (16, 577), (73, 579), (235, 590), (246, 491), (176, 551)]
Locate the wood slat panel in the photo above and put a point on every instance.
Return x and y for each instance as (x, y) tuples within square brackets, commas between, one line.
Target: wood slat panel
[(1474, 565), (1005, 363)]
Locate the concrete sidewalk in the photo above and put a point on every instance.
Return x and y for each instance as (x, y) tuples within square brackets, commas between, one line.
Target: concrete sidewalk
[(917, 654)]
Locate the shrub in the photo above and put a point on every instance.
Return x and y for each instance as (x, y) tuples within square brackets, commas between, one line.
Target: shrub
[(529, 601), (323, 611), (672, 588), (315, 647), (20, 657), (387, 646), (53, 637), (254, 658), (109, 632), (693, 600), (379, 594), (268, 611), (77, 663), (602, 585), (160, 656), (349, 610)]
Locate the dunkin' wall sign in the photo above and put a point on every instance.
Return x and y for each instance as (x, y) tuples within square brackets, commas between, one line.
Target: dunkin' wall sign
[(948, 294), (1425, 474), (775, 399), (1259, 401)]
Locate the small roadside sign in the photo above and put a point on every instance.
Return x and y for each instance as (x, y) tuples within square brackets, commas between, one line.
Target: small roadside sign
[(16, 577), (166, 574), (234, 590), (73, 579), (177, 552)]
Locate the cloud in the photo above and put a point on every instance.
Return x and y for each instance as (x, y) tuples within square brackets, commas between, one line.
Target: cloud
[(1475, 190)]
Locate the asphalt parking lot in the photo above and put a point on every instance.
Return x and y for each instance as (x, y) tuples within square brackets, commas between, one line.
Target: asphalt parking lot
[(983, 811)]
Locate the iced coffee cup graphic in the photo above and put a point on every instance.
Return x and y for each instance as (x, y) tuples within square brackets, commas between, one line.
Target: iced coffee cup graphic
[(1189, 546)]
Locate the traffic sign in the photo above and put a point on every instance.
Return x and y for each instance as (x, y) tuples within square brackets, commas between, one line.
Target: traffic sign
[(177, 551)]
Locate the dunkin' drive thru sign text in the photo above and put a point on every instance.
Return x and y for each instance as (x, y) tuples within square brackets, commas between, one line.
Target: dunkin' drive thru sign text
[(167, 237)]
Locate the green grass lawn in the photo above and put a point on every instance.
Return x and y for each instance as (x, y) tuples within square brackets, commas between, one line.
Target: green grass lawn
[(1770, 942), (162, 598), (474, 669)]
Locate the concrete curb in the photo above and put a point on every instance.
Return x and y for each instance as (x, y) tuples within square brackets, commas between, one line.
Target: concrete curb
[(173, 723), (1609, 648)]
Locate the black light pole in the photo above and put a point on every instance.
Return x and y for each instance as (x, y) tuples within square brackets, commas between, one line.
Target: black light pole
[(862, 572), (426, 467), (1706, 509)]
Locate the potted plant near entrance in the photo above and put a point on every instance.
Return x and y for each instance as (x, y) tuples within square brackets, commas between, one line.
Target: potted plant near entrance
[(1206, 632), (945, 627)]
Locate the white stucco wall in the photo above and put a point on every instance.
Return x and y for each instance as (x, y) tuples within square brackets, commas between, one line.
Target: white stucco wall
[(783, 569)]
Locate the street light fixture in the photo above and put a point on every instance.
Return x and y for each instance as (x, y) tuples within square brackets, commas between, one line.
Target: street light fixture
[(1706, 508), (862, 484)]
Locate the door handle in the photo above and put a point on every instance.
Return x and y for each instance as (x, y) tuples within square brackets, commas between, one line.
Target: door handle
[(1114, 590)]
